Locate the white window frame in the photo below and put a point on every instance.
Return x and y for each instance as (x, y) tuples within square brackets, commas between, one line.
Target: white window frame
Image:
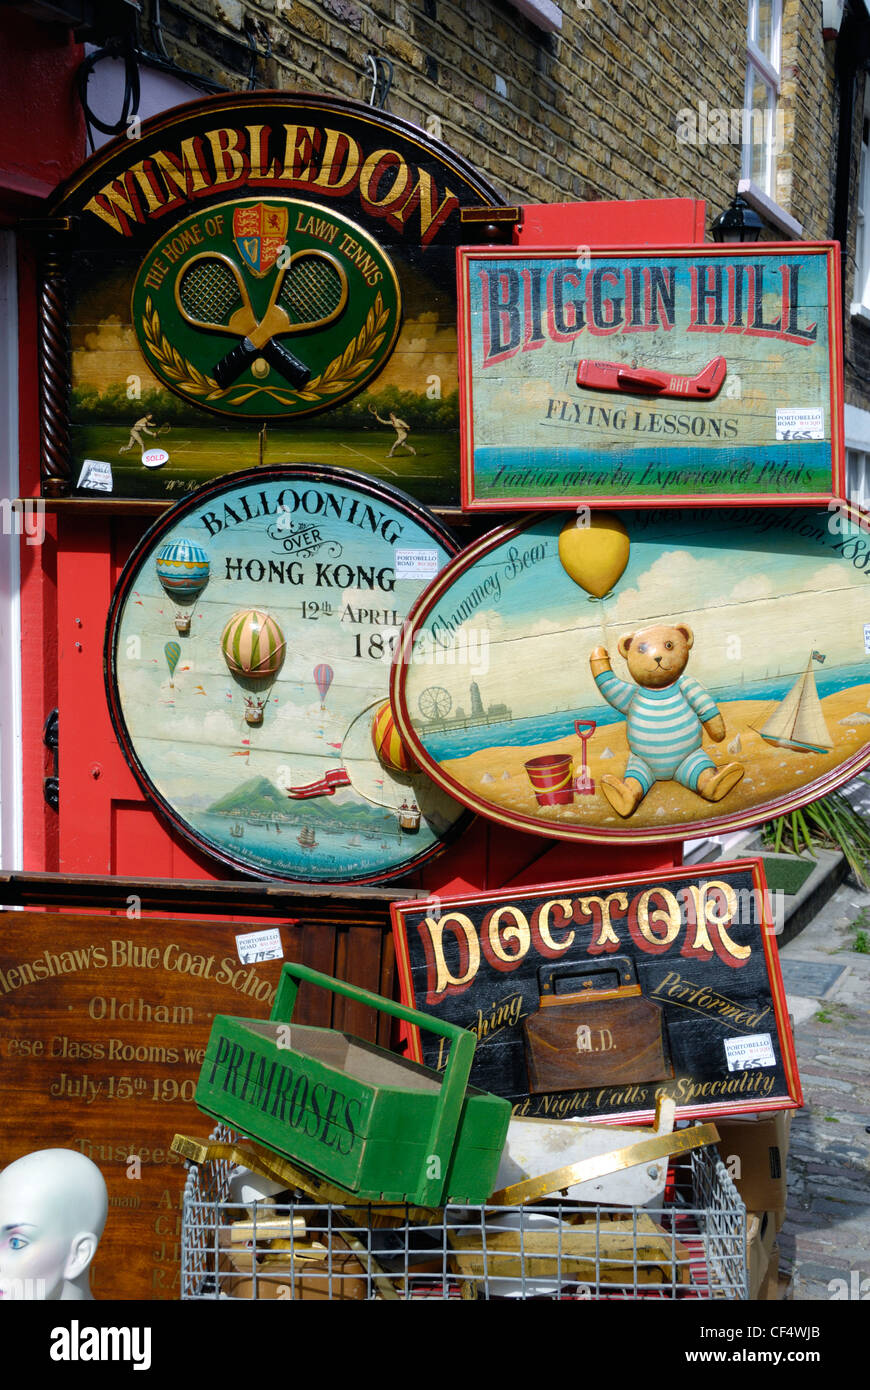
[(857, 430), (769, 70)]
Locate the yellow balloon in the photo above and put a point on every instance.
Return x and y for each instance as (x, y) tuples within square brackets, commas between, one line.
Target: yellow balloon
[(596, 555)]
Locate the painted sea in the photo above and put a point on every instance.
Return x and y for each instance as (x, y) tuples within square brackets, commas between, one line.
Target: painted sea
[(521, 733)]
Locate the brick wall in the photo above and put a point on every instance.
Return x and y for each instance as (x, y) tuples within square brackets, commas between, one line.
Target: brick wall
[(588, 113), (593, 112)]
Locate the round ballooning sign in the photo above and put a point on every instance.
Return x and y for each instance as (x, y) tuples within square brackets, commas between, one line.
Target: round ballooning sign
[(248, 656)]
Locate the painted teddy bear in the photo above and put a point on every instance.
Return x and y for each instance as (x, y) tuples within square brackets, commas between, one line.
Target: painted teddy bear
[(666, 714)]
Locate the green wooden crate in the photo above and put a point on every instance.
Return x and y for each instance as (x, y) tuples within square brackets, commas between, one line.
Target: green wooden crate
[(384, 1128)]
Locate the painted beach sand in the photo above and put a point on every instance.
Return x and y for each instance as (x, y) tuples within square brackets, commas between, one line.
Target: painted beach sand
[(771, 771), (776, 603)]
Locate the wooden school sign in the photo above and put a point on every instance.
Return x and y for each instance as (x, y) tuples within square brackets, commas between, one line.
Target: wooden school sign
[(702, 374), (105, 1025), (591, 999), (270, 258), (646, 675)]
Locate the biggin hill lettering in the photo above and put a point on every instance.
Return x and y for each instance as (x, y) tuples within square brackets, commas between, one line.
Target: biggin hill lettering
[(655, 918), (307, 158), (523, 307)]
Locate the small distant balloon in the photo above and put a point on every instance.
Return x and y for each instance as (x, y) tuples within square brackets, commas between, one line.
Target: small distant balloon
[(172, 651), (595, 556), (323, 680)]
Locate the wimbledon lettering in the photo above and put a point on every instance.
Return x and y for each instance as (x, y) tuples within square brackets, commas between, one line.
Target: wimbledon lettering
[(284, 158)]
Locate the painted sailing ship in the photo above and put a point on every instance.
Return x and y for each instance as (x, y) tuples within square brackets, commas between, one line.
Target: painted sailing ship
[(798, 721), (237, 831), (306, 837)]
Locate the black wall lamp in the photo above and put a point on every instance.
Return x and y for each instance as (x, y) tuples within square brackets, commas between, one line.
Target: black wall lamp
[(739, 222)]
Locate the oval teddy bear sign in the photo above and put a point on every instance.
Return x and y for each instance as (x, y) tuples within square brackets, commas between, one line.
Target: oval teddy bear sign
[(644, 677)]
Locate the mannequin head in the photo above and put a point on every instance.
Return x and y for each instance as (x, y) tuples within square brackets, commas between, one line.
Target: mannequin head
[(53, 1206)]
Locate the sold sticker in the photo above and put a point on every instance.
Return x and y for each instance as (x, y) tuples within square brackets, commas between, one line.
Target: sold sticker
[(155, 458)]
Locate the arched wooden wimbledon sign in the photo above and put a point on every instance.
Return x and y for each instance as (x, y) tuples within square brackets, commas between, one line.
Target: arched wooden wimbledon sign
[(643, 676), (247, 661), (266, 256)]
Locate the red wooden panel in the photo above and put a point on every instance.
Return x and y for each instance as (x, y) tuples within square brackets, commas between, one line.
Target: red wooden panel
[(653, 221)]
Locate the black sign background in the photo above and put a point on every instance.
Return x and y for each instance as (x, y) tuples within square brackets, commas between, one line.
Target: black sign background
[(495, 1003)]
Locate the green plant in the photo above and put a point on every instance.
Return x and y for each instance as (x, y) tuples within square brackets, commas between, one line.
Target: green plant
[(862, 943), (822, 1017), (830, 822)]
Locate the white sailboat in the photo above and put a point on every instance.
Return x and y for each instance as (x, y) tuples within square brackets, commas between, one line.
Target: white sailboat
[(798, 721)]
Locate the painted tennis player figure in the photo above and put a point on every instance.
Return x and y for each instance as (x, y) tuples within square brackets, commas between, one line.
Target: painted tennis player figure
[(144, 426), (402, 431)]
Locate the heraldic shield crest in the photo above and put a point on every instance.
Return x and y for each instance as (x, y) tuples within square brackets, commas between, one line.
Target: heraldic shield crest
[(259, 233)]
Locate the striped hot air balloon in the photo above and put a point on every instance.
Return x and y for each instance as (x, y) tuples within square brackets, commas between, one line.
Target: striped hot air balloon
[(182, 568), (253, 647), (389, 747)]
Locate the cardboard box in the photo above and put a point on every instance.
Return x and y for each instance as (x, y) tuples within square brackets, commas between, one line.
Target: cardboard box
[(755, 1152), (760, 1244)]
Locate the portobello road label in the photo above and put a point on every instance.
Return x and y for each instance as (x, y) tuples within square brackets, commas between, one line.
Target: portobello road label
[(265, 256), (687, 959)]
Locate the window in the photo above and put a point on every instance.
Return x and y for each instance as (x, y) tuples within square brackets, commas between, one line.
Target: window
[(861, 289), (858, 478), (761, 121)]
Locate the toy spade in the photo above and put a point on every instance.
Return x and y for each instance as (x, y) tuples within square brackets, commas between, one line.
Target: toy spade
[(644, 381), (211, 293), (584, 784)]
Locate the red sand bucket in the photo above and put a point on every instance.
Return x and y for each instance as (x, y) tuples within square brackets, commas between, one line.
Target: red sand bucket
[(552, 776)]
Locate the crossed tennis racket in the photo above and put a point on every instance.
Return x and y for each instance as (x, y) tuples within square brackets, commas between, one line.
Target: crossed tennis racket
[(309, 292)]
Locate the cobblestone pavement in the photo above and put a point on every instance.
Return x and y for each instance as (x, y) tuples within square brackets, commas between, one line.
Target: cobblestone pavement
[(826, 1235)]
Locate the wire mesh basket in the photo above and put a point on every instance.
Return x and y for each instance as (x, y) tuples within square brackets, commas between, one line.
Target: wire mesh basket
[(692, 1246)]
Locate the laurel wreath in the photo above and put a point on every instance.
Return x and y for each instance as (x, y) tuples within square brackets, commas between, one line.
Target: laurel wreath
[(339, 376), (175, 366)]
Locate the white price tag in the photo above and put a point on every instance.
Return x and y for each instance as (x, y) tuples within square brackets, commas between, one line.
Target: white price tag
[(867, 639), (260, 945), (97, 475), (808, 423), (743, 1054), (412, 563)]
